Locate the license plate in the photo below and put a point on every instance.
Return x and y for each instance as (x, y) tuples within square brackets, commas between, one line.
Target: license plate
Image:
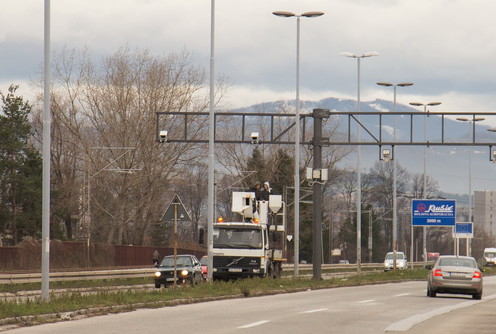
[(235, 270), (457, 275)]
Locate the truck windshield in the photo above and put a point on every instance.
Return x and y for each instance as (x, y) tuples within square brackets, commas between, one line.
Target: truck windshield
[(238, 238), (490, 254)]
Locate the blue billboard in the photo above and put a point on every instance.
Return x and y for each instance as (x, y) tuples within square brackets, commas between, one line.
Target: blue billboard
[(433, 212)]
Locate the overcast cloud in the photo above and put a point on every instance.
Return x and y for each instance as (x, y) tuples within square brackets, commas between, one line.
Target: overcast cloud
[(446, 47)]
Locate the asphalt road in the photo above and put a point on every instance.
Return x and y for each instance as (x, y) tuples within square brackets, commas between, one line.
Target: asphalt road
[(385, 308)]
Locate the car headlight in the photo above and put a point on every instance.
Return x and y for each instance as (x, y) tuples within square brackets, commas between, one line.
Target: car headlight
[(158, 274), (184, 272)]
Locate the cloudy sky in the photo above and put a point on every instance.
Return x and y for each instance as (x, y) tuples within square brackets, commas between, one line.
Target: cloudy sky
[(446, 48)]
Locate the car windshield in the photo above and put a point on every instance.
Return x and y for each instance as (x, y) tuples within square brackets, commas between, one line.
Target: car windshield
[(204, 261), (390, 256), (182, 261), (238, 238), (458, 262)]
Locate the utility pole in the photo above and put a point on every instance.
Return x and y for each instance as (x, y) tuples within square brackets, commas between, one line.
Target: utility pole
[(318, 142)]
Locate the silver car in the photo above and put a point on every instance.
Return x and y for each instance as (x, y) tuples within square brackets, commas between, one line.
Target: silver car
[(389, 261), (454, 274)]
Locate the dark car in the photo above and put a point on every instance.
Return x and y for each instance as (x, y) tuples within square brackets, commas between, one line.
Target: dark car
[(188, 271), (204, 266), (454, 274)]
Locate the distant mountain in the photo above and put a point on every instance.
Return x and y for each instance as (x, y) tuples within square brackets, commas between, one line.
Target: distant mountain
[(449, 165)]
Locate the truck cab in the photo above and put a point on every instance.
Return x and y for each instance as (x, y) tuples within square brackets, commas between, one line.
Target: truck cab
[(254, 245), (489, 257)]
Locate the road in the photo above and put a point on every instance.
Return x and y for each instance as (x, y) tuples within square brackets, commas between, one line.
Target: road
[(384, 308)]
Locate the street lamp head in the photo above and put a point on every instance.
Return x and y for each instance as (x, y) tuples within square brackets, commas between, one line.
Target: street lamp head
[(475, 119), (418, 104), (348, 54), (365, 55), (312, 14), (386, 84), (405, 84), (370, 54), (491, 130), (283, 13)]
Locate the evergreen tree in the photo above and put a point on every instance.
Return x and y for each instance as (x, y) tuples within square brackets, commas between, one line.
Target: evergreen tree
[(255, 163), (20, 170)]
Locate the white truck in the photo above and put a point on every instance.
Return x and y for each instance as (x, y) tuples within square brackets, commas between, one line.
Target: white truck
[(489, 258), (255, 245)]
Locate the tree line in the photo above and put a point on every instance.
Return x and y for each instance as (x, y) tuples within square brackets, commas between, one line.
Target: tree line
[(111, 181)]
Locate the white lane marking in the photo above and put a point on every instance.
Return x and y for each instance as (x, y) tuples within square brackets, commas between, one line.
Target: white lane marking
[(405, 324), (316, 310), (366, 301), (253, 324), (402, 294)]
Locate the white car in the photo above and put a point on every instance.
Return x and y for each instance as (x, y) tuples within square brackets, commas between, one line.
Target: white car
[(401, 261)]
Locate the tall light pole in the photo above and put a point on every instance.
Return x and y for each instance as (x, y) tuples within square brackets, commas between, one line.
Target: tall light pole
[(211, 151), (47, 121), (471, 139), (359, 151), (395, 218), (297, 134), (424, 189)]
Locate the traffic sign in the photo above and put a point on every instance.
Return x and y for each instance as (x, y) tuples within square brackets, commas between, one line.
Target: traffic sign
[(464, 230), (433, 212), (181, 213)]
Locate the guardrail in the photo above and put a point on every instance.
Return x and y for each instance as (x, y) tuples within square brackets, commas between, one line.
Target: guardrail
[(148, 272), (77, 275)]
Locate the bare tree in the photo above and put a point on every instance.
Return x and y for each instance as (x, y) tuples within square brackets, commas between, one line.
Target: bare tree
[(381, 191), (106, 160), (432, 186)]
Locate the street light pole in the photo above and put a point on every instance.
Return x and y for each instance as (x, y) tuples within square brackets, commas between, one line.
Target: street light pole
[(211, 150), (471, 122), (297, 134), (359, 152), (395, 218), (424, 189), (47, 121)]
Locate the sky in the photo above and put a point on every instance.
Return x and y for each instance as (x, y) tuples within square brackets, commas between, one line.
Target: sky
[(445, 47)]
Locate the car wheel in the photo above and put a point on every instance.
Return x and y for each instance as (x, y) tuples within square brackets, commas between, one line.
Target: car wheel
[(431, 293), (477, 296), (157, 285)]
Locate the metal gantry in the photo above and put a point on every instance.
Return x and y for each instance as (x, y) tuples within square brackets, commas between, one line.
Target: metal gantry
[(189, 128)]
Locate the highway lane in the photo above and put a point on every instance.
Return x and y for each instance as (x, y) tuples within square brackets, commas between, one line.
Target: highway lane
[(392, 307)]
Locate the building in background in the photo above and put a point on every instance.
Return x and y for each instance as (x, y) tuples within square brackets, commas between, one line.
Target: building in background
[(485, 211)]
